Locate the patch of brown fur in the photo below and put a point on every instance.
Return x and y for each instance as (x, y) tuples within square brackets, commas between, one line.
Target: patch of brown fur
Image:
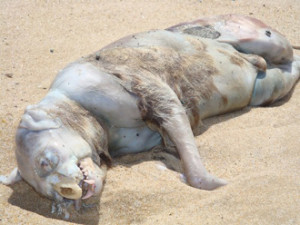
[(257, 61), (234, 58), (152, 73), (82, 122), (225, 100)]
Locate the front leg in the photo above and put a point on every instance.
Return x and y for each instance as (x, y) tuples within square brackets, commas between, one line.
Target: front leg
[(159, 105), (275, 83), (180, 132)]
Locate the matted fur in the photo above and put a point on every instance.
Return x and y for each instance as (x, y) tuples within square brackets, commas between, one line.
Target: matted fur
[(81, 121), (144, 71)]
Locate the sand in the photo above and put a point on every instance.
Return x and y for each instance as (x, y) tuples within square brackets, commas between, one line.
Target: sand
[(255, 149)]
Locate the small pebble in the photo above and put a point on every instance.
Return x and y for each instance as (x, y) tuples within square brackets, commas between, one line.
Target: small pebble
[(9, 75), (183, 178), (161, 167)]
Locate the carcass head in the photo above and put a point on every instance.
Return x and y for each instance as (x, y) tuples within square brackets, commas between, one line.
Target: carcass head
[(55, 159)]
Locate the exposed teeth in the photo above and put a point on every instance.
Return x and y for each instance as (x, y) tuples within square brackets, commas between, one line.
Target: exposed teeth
[(91, 189), (83, 171), (87, 184)]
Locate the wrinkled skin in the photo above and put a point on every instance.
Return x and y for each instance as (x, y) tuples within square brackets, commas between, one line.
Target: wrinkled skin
[(144, 90)]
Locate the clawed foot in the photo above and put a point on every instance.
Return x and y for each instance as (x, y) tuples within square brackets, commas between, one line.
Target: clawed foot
[(92, 182)]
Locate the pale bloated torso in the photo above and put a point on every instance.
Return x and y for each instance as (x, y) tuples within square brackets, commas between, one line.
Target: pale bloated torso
[(211, 79)]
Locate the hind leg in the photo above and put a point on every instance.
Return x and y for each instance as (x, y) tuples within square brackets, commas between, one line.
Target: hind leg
[(275, 83), (160, 105)]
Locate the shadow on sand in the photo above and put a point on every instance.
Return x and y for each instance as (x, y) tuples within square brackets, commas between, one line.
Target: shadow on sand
[(25, 197)]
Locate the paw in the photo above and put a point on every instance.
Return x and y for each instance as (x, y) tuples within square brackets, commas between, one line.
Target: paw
[(207, 182)]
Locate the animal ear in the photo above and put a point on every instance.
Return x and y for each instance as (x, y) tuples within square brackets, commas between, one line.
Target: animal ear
[(36, 119)]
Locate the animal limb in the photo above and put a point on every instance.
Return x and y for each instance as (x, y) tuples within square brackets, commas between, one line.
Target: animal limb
[(12, 178), (275, 83), (170, 114), (194, 170)]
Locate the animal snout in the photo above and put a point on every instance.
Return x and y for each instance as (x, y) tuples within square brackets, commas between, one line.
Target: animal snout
[(68, 188)]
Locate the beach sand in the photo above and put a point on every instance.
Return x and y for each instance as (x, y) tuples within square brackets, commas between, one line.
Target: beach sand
[(256, 149)]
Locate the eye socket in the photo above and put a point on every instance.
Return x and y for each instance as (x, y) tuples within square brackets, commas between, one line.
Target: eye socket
[(46, 162), (268, 33)]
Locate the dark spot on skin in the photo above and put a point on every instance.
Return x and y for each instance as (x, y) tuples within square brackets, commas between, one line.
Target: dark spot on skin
[(97, 56), (224, 99), (137, 134), (268, 33), (124, 136)]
